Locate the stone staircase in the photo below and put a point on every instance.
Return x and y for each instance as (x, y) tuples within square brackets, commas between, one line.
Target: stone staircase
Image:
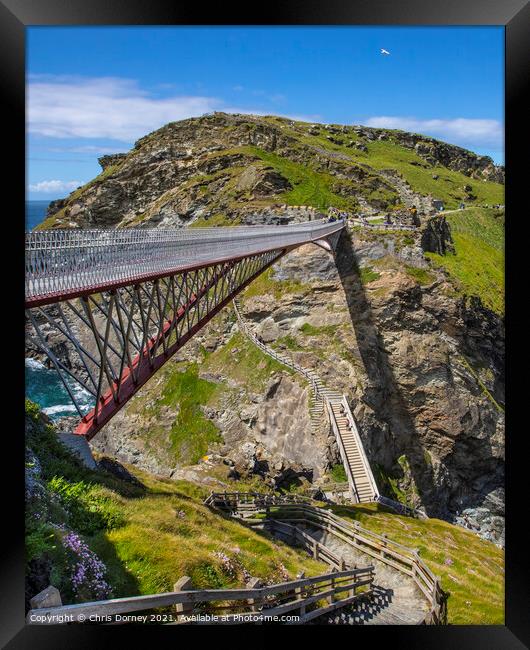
[(396, 599), (318, 391)]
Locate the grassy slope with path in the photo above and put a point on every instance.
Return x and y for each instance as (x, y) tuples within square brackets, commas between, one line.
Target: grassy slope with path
[(148, 536), (471, 569)]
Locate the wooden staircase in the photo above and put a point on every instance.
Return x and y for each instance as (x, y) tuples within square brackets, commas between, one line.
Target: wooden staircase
[(363, 488)]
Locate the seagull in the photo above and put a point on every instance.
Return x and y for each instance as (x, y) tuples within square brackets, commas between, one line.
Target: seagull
[(384, 51)]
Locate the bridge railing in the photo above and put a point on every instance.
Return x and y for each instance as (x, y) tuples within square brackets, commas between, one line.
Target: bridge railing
[(59, 261)]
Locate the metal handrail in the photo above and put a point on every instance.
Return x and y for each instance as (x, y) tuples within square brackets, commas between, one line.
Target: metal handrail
[(62, 261), (275, 355)]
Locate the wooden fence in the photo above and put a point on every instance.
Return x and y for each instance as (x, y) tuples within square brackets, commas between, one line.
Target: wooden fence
[(400, 557), (307, 598), (300, 600)]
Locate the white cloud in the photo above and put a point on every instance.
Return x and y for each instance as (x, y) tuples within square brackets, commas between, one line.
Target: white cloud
[(89, 148), (106, 107), (113, 108), (461, 131), (51, 187)]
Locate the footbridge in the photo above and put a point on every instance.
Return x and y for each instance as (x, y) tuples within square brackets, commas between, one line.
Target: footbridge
[(109, 307)]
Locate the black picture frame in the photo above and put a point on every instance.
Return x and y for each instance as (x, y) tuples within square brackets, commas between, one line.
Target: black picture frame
[(15, 16)]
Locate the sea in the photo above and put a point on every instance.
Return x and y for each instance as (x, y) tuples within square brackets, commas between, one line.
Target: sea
[(45, 388), (35, 213), (43, 385)]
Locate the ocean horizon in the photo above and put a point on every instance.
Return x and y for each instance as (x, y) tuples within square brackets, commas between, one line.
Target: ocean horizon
[(35, 213)]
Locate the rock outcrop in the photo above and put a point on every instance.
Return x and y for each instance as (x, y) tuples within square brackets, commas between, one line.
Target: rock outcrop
[(210, 170)]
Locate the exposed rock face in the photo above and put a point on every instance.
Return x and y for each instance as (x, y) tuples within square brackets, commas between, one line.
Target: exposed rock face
[(112, 159), (436, 236), (408, 357), (218, 165)]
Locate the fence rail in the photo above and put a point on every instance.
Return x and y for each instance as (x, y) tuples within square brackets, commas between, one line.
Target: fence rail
[(303, 596), (398, 556)]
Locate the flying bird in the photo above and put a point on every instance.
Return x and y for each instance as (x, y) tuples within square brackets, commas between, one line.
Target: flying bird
[(384, 51)]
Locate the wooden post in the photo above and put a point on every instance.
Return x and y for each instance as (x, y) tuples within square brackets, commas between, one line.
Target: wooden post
[(299, 592), (315, 550), (184, 584), (331, 597), (384, 545), (352, 591), (342, 564), (254, 583)]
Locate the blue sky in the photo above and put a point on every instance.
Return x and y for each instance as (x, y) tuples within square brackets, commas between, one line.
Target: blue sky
[(95, 90)]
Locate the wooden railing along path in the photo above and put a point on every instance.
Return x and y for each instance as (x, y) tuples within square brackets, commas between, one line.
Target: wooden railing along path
[(301, 511), (305, 598), (299, 600)]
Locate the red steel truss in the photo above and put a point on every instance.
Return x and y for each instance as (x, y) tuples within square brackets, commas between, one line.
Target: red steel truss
[(110, 340)]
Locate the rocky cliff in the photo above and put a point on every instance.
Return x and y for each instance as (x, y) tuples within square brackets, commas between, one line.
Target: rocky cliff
[(220, 167), (420, 360)]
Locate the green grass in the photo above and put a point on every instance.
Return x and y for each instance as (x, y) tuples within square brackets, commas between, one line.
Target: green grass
[(215, 220), (338, 473), (266, 284), (163, 531), (147, 535), (288, 342), (180, 391), (477, 267), (423, 277), (388, 154), (367, 275), (245, 363), (191, 432), (312, 330), (309, 186), (471, 569)]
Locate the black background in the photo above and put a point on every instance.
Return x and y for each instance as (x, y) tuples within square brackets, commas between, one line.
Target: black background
[(15, 15)]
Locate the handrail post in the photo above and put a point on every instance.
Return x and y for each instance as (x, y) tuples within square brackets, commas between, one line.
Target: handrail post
[(254, 583), (384, 544), (184, 584), (299, 593), (331, 597)]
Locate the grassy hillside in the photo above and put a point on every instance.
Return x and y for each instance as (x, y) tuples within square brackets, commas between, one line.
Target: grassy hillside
[(390, 154), (477, 267), (343, 170), (471, 569), (98, 536), (139, 537)]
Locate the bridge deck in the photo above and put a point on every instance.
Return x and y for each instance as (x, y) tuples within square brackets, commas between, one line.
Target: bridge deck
[(64, 264)]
